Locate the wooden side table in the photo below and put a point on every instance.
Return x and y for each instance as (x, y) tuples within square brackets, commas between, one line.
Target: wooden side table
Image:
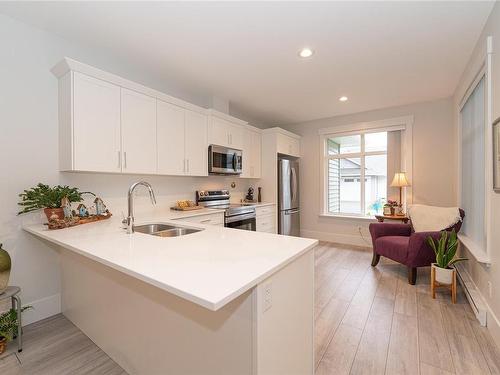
[(12, 292), (381, 218)]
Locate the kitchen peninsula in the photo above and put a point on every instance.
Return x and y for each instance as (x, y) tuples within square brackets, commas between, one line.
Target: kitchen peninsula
[(217, 301)]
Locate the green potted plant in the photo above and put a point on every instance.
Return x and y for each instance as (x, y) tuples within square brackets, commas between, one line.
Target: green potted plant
[(5, 265), (8, 326), (445, 249), (49, 199)]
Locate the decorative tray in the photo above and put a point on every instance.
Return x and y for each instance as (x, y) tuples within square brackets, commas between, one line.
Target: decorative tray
[(71, 222), (190, 208)]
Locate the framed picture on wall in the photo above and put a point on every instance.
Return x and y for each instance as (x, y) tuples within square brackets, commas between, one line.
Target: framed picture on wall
[(496, 155)]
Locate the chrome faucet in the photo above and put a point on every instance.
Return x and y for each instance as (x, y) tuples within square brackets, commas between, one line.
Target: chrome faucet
[(130, 218)]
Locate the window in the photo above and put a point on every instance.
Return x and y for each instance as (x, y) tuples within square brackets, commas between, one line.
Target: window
[(472, 192), (356, 176)]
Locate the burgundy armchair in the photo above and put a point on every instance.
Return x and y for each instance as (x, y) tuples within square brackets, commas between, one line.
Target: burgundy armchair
[(398, 242)]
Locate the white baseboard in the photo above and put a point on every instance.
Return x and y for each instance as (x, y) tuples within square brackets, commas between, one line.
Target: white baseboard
[(492, 322), (346, 239), (42, 308)]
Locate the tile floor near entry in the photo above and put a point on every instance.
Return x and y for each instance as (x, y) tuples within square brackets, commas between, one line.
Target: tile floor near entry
[(368, 321)]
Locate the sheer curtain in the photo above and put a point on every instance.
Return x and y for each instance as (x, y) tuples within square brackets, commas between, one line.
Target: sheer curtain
[(472, 117), (393, 162)]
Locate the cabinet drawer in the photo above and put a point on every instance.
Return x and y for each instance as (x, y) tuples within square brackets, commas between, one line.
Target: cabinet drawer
[(265, 224), (211, 219), (265, 210)]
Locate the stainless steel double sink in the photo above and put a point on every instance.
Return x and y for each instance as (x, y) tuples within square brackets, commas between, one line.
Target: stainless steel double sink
[(165, 230)]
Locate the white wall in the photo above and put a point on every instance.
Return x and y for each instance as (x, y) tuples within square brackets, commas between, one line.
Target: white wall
[(434, 166), (480, 273), (29, 151)]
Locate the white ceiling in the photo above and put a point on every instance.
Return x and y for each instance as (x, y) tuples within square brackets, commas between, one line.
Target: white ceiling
[(379, 54)]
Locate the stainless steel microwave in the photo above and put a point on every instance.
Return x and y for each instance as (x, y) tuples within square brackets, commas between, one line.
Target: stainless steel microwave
[(224, 160)]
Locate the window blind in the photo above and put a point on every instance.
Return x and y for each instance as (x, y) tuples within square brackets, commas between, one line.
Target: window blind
[(472, 118)]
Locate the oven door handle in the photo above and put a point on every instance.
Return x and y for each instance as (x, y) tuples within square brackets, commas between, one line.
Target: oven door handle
[(232, 219)]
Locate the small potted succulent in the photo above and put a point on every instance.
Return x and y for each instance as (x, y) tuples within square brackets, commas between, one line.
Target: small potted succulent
[(8, 326), (445, 249), (390, 205), (50, 199)]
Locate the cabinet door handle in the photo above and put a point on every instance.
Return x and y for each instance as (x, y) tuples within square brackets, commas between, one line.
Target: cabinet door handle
[(187, 161), (119, 160), (125, 159), (206, 221), (231, 137)]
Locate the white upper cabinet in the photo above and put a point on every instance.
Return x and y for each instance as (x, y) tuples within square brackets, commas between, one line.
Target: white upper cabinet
[(170, 127), (110, 124), (288, 145), (256, 168), (196, 143), (182, 141), (222, 132), (95, 125), (252, 144), (138, 112)]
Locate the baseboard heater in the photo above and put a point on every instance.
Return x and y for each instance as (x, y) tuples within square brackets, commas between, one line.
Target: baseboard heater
[(472, 294)]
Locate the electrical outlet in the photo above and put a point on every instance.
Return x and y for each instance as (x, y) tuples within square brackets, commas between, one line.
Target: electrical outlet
[(268, 296), (490, 289)]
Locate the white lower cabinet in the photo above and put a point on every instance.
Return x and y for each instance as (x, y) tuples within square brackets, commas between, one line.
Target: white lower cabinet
[(266, 219), (210, 219)]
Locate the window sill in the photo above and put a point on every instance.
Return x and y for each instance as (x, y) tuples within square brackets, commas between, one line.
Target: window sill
[(477, 252), (349, 217)]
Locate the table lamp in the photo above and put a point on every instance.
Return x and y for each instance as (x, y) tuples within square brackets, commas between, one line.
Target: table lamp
[(400, 181)]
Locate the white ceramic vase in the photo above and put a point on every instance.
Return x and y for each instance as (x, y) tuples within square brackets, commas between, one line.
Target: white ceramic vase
[(443, 275)]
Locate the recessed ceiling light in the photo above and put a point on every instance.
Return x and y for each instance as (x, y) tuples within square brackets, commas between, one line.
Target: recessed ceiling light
[(306, 52), (343, 98)]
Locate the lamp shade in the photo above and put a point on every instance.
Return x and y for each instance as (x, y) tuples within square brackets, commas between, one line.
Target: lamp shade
[(400, 180)]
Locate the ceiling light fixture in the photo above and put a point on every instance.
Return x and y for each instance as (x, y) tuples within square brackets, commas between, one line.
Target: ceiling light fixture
[(343, 98), (306, 52)]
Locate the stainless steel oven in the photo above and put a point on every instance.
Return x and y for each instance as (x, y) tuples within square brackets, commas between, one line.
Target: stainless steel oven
[(224, 160), (241, 221), (238, 216)]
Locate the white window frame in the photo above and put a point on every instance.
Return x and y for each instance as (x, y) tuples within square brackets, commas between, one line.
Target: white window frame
[(403, 124), (481, 255)]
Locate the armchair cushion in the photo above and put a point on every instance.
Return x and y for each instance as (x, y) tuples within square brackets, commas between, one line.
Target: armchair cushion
[(393, 247), (385, 229)]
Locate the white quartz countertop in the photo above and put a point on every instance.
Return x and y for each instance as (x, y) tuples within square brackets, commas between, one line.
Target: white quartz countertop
[(209, 268)]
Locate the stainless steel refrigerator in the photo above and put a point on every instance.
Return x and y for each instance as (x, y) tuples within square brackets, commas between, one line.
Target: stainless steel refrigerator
[(288, 197)]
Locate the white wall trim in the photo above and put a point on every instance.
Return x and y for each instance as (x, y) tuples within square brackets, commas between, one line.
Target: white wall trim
[(403, 124), (395, 123), (42, 308), (492, 322), (346, 239)]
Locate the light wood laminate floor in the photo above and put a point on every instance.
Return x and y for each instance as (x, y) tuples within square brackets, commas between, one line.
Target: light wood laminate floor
[(54, 346), (367, 321)]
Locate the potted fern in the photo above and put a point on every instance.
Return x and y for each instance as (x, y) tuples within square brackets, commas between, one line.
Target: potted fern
[(445, 249), (8, 326), (49, 199)]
